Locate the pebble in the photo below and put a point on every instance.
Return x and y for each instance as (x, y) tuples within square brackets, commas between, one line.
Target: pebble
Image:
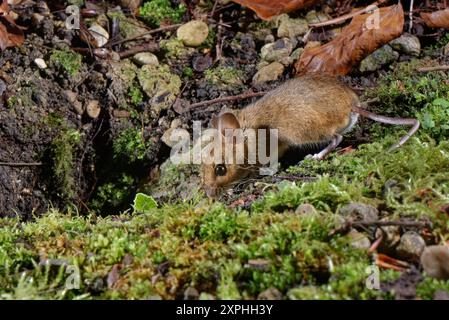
[(93, 109), (391, 235), (166, 138), (446, 50), (305, 209), (435, 261), (191, 294), (407, 44), (99, 34), (193, 33), (277, 51), (270, 294), (315, 17), (73, 100), (143, 58), (270, 72), (289, 28), (40, 63), (358, 240), (360, 211), (382, 56), (411, 246)]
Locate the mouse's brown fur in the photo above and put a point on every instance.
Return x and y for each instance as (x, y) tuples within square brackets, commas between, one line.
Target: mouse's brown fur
[(306, 110)]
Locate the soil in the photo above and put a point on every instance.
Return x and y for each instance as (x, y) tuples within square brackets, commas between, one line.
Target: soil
[(32, 121)]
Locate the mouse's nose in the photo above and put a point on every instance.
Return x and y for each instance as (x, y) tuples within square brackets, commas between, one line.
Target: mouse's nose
[(211, 192)]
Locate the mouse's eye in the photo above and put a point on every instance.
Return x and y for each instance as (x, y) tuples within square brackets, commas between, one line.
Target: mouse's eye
[(220, 170)]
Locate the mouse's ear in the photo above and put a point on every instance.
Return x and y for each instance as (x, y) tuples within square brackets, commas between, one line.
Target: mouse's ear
[(227, 120)]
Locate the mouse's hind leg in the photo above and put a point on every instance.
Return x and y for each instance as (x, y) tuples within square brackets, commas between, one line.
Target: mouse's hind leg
[(336, 139)]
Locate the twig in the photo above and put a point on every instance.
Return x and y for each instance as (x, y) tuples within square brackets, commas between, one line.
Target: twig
[(20, 164), (166, 28), (214, 8), (151, 47), (347, 16), (437, 68), (224, 99), (219, 44), (410, 16)]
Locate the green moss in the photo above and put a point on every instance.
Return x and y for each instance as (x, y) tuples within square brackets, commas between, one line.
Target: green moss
[(224, 76), (62, 152), (112, 194), (130, 145), (427, 288), (156, 11), (174, 48), (187, 72), (68, 60), (135, 95)]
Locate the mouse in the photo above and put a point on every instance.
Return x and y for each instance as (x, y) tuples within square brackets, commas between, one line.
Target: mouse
[(314, 109)]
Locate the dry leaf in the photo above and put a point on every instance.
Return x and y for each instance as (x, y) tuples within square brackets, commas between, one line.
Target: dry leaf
[(266, 9), (437, 19), (363, 35), (11, 35)]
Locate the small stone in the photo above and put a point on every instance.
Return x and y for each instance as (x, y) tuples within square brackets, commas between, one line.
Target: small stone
[(446, 50), (143, 58), (305, 209), (201, 63), (269, 38), (358, 240), (193, 33), (259, 264), (360, 211), (407, 44), (304, 293), (411, 246), (435, 261), (37, 18), (270, 294), (40, 63), (277, 51), (176, 123), (312, 44), (206, 296), (269, 73), (289, 28), (441, 295), (191, 294), (99, 35), (160, 85), (73, 100), (316, 17), (121, 113), (296, 54), (390, 237), (382, 56), (93, 109), (166, 137)]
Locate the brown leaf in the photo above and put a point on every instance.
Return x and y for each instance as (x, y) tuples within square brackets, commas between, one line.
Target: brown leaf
[(356, 41), (11, 35), (266, 9), (437, 19)]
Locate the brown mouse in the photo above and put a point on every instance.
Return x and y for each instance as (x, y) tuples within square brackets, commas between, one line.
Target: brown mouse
[(307, 110)]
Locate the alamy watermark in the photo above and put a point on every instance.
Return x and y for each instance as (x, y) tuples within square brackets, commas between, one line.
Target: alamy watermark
[(233, 146), (373, 280), (73, 280)]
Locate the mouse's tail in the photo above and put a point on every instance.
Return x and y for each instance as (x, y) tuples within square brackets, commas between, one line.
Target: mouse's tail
[(396, 121)]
